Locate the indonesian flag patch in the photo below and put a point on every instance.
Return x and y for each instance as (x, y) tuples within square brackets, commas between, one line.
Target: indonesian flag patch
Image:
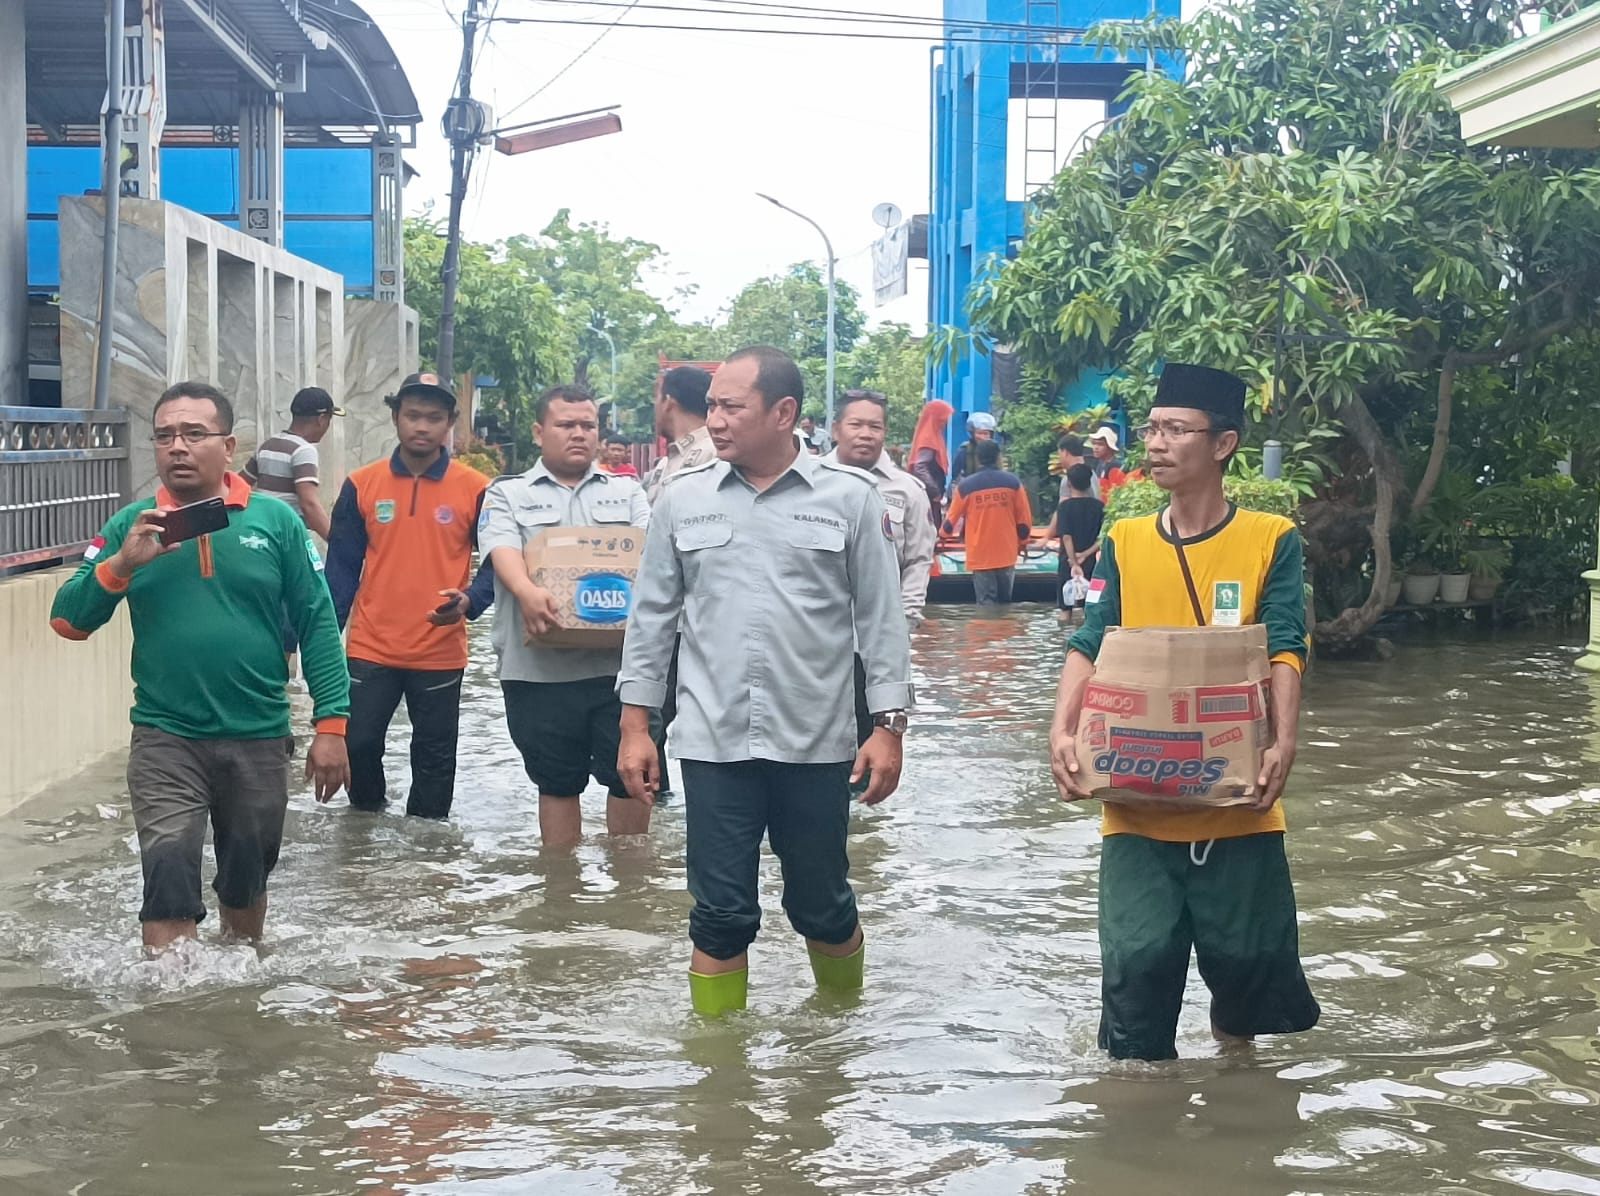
[(94, 548), (1096, 588)]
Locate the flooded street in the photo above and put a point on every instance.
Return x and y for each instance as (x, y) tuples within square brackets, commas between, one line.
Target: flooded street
[(442, 1009)]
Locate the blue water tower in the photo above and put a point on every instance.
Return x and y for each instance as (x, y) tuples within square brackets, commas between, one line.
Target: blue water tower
[(1013, 89)]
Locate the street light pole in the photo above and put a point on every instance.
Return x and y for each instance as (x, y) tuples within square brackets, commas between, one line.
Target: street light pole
[(828, 245), (612, 345)]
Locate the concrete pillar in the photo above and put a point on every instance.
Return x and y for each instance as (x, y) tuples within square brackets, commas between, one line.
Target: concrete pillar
[(13, 208), (144, 101), (261, 167), (388, 222)]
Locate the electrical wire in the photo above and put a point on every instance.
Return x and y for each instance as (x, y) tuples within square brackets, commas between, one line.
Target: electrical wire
[(930, 36), (829, 16), (577, 58)]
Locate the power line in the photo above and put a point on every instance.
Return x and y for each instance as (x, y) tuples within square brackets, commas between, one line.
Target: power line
[(930, 36), (823, 16), (577, 58)]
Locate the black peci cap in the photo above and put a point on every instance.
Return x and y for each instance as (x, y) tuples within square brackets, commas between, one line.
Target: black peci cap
[(1204, 389), (423, 386)]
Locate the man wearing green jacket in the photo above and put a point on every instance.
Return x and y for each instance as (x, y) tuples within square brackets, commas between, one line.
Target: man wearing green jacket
[(210, 711)]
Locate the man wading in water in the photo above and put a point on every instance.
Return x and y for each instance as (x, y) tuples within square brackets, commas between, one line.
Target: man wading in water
[(745, 550), (1213, 880)]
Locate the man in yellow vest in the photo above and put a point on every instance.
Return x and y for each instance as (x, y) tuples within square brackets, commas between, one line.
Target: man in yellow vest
[(1215, 880)]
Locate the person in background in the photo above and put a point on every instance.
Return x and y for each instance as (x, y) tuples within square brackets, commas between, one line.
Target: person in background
[(211, 715), (858, 436), (930, 454), (1107, 463), (999, 521), (980, 430), (681, 419), (813, 435), (561, 704), (1214, 882), (741, 553), (615, 459), (1070, 451), (286, 467), (1076, 524), (398, 562)]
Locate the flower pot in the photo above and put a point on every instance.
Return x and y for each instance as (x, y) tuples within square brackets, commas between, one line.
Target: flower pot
[(1483, 589), (1392, 594), (1419, 589), (1453, 587)]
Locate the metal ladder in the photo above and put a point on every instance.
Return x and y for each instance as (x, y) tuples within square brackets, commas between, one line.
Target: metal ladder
[(1040, 96)]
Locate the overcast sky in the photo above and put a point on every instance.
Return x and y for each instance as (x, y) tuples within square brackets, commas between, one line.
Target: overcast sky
[(831, 127)]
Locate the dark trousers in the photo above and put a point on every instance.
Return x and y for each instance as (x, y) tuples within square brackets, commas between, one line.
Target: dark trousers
[(804, 810), (669, 711), (863, 715), (433, 700), (992, 587)]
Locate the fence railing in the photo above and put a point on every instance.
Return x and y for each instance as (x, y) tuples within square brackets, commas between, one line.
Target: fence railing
[(63, 473)]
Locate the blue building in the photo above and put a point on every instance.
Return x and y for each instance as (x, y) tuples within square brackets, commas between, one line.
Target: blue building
[(1012, 85)]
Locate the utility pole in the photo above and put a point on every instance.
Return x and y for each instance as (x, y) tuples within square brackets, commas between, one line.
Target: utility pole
[(465, 122)]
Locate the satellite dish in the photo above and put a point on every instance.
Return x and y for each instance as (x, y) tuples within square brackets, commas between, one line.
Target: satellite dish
[(886, 215)]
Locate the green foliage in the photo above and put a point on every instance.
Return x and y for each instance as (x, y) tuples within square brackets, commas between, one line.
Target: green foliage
[(1306, 174), (789, 311), (1133, 499), (598, 281), (507, 323), (1549, 524), (487, 459)]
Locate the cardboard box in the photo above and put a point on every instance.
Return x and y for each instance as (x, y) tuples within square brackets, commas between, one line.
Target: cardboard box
[(1176, 716), (591, 571)]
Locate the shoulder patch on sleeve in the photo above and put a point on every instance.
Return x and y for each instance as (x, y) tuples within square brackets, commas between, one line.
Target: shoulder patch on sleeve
[(312, 553)]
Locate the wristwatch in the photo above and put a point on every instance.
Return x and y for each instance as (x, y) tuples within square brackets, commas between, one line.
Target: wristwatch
[(892, 721)]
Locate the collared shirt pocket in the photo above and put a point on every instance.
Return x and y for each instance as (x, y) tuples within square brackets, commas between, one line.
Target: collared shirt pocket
[(816, 560), (704, 549), (534, 517), (612, 511)]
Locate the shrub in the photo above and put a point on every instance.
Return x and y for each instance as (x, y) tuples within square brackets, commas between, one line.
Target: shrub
[(1132, 499)]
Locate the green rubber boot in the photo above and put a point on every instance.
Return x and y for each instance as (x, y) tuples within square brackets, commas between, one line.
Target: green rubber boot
[(841, 973), (724, 992)]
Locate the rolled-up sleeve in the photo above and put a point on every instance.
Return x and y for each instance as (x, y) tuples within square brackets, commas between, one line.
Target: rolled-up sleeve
[(880, 623), (653, 625)]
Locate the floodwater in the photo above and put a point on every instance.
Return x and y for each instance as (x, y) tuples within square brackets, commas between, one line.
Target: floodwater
[(442, 1009)]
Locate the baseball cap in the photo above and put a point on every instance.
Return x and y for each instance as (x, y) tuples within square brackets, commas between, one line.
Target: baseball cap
[(1109, 435), (313, 400), (425, 386)]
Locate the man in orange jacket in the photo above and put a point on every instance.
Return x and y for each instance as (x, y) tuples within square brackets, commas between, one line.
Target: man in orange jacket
[(399, 556)]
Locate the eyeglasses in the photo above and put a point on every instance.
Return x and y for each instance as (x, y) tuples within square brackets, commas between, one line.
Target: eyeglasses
[(165, 436), (1168, 431)]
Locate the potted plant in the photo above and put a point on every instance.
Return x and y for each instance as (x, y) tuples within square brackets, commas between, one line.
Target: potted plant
[(1455, 582), (1421, 583), (1486, 562)]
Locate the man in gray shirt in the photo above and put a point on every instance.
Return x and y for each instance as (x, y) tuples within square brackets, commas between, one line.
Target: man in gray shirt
[(767, 539), (561, 705)]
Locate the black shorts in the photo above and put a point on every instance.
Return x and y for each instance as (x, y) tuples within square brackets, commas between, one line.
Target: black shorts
[(241, 786), (568, 731)]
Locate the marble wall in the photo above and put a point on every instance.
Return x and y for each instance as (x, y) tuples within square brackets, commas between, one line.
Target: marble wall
[(195, 299), (381, 342)]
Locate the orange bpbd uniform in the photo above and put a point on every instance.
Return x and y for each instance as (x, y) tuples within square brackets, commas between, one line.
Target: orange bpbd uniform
[(397, 540)]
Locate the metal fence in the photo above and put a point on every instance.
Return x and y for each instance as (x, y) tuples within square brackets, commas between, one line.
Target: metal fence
[(63, 473)]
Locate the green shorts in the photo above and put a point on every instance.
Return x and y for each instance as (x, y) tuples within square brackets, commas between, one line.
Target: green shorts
[(1235, 910)]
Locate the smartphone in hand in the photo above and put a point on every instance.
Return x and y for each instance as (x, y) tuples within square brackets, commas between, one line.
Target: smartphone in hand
[(196, 519)]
